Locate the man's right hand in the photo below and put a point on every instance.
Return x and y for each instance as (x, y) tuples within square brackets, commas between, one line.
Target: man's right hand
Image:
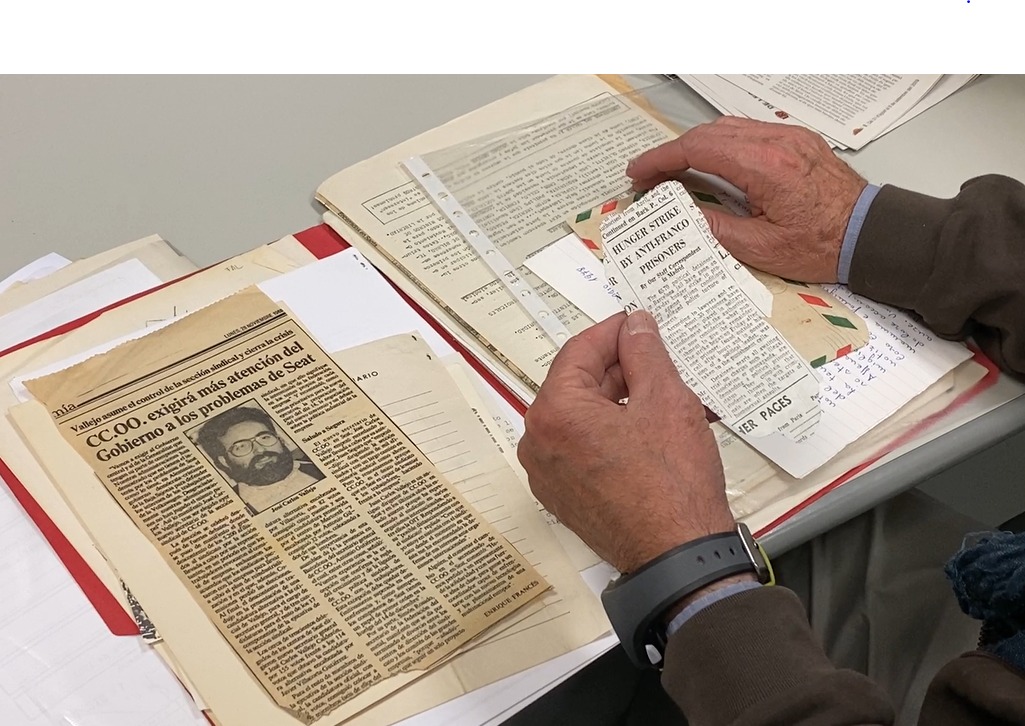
[(801, 194), (632, 480)]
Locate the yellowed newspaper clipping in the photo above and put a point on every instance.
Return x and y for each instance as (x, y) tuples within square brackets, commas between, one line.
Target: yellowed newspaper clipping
[(327, 549)]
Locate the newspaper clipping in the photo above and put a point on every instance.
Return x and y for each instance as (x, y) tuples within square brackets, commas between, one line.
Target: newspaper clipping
[(327, 549), (661, 256)]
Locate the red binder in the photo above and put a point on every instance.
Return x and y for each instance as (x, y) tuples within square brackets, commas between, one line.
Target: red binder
[(323, 242)]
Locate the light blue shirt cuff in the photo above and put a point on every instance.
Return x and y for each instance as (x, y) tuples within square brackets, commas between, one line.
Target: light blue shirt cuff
[(703, 602), (850, 238)]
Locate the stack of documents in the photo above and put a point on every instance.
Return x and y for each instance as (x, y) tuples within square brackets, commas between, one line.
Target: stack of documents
[(848, 110), (276, 493), (289, 481), (562, 162)]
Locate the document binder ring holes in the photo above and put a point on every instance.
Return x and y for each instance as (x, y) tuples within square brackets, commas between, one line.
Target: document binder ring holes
[(529, 301)]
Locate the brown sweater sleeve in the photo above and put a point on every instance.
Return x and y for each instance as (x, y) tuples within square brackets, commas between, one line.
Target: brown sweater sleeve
[(752, 660), (959, 263), (976, 688)]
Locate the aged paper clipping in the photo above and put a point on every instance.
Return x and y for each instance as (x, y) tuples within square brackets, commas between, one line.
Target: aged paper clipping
[(662, 257), (326, 548)]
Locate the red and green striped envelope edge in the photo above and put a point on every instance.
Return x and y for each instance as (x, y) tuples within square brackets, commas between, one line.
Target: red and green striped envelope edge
[(587, 224)]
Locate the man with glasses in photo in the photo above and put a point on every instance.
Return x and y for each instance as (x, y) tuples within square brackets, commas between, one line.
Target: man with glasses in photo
[(246, 445)]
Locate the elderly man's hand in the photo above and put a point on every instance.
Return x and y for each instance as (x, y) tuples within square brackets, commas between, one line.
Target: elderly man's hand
[(801, 194), (634, 480)]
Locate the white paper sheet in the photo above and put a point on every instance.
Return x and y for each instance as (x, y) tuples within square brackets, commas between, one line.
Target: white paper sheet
[(72, 302), (734, 101), (344, 302), (851, 108), (52, 642), (495, 703), (35, 270), (59, 664), (569, 267), (945, 87)]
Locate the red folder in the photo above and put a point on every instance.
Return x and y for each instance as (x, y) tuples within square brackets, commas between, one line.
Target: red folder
[(322, 241)]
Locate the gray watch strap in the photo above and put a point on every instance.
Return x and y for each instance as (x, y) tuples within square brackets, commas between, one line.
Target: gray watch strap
[(636, 601)]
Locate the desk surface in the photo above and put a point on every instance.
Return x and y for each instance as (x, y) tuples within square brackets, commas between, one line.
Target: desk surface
[(215, 165), (218, 165)]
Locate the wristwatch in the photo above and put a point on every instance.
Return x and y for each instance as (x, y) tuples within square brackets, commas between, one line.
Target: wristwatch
[(635, 602)]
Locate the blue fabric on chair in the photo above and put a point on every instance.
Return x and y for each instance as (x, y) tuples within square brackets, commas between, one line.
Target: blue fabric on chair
[(988, 577)]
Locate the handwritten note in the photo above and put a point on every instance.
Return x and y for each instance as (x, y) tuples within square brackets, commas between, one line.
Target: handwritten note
[(570, 268), (862, 389)]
